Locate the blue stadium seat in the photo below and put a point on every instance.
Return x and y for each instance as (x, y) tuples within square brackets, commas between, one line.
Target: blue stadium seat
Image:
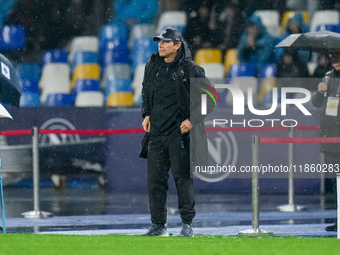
[(111, 31), (268, 71), (86, 85), (59, 99), (115, 51), (28, 71), (241, 70), (29, 85), (83, 57), (329, 27), (141, 51), (12, 38), (117, 85), (54, 56), (29, 99)]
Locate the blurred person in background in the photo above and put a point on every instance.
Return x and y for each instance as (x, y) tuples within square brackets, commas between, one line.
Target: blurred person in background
[(131, 12), (256, 44), (231, 24), (322, 66), (201, 30), (289, 69), (327, 99), (295, 25), (170, 114)]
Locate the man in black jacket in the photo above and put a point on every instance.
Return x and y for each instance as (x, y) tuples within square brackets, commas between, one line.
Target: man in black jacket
[(327, 98), (169, 114)]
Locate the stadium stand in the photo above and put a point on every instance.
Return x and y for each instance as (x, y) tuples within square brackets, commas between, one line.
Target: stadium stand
[(141, 51), (54, 56), (89, 99), (229, 59), (206, 56), (85, 71), (120, 99), (12, 37), (321, 17), (83, 43), (59, 99), (271, 20), (176, 19), (117, 85)]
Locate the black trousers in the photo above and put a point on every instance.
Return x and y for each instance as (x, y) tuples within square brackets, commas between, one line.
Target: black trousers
[(170, 152)]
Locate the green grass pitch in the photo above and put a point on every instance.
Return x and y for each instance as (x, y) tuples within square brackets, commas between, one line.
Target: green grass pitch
[(35, 244)]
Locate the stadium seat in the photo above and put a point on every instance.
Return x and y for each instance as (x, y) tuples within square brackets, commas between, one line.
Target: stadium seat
[(139, 31), (171, 19), (28, 71), (110, 32), (85, 71), (268, 71), (289, 14), (329, 27), (229, 59), (117, 85), (114, 71), (12, 37), (207, 56), (243, 83), (321, 17), (271, 20), (120, 99), (137, 83), (214, 70), (265, 94), (29, 85), (84, 57), (89, 99), (83, 43), (58, 99), (86, 85), (114, 51), (55, 78), (241, 70), (141, 51), (29, 99), (54, 56)]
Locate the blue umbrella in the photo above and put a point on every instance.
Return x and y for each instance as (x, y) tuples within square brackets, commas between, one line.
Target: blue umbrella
[(10, 90)]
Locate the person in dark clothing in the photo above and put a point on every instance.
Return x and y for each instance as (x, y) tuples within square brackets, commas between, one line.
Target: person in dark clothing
[(169, 114), (202, 31), (327, 99), (323, 66), (231, 24), (291, 71)]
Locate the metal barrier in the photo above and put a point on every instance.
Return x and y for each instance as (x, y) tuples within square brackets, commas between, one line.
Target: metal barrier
[(291, 207), (255, 191), (255, 161), (35, 162), (2, 207)]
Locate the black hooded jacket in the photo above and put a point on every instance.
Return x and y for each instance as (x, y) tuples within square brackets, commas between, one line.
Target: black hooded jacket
[(188, 84), (329, 125)]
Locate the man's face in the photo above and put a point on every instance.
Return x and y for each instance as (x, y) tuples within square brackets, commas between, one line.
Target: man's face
[(167, 48), (334, 57)]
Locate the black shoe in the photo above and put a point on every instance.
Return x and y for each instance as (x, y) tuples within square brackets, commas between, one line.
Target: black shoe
[(157, 230), (186, 230), (332, 228)]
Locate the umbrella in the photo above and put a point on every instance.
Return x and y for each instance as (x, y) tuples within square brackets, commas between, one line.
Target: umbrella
[(321, 41), (10, 90), (4, 113)]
